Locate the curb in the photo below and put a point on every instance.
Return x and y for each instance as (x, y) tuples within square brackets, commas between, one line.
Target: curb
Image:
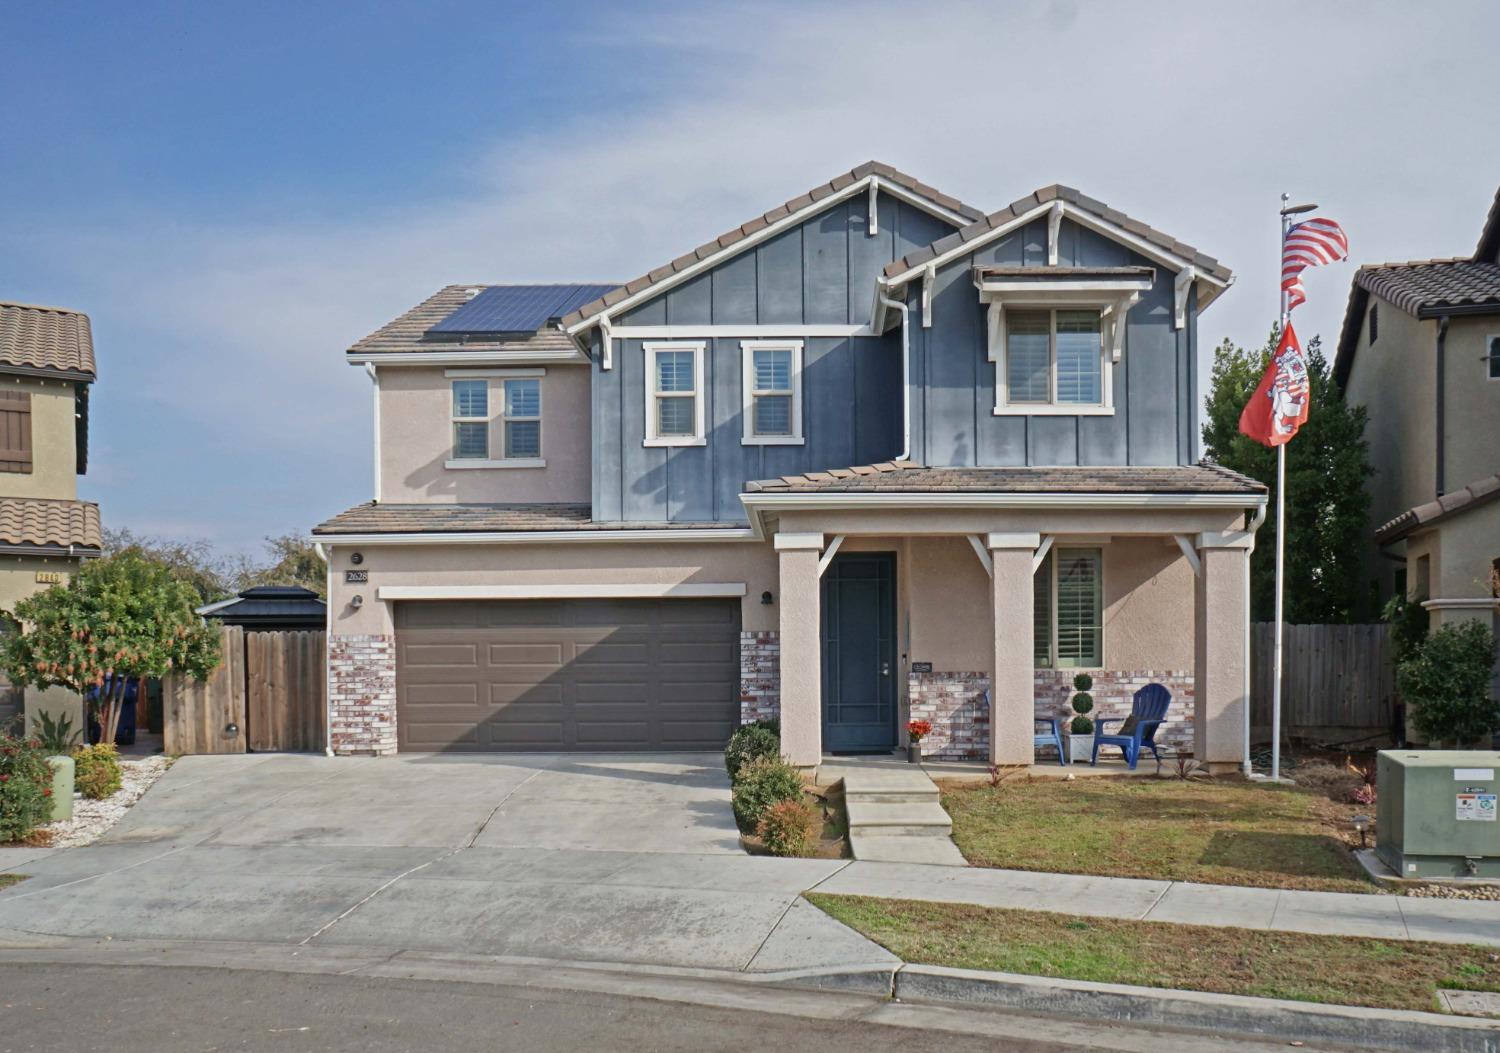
[(1396, 1029)]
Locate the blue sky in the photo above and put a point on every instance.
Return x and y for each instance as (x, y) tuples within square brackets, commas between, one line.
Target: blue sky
[(235, 193)]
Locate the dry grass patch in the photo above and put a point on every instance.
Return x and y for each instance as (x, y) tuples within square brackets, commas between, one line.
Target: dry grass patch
[(1339, 970), (7, 880), (1222, 833)]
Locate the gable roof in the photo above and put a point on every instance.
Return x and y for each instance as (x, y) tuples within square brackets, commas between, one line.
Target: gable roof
[(49, 339), (907, 477), (724, 244), (1425, 289), (996, 223), (409, 333), (1470, 497)]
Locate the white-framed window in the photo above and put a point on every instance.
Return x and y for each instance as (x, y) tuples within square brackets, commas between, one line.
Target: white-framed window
[(521, 419), (1492, 357), (1068, 609), (772, 383), (471, 420), (1053, 360), (675, 394)]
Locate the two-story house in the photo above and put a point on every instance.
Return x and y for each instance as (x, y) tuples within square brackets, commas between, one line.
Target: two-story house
[(872, 455), (1420, 350), (46, 367)]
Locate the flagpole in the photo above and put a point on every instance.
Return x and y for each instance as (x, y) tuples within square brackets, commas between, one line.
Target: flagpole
[(1286, 222)]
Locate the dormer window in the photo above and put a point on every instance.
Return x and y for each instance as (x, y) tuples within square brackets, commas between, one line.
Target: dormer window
[(1054, 358)]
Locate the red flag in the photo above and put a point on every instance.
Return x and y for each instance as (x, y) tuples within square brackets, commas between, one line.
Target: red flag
[(1279, 406)]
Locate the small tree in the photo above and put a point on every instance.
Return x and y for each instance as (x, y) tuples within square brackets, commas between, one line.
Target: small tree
[(119, 619), (1446, 680), (294, 561)]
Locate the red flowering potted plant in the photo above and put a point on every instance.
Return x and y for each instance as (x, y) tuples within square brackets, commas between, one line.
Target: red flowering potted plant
[(916, 731)]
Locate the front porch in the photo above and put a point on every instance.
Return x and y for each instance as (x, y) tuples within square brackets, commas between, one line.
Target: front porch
[(977, 620)]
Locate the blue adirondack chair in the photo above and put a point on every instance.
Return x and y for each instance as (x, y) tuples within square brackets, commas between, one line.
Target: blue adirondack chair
[(1149, 708), (1051, 737)]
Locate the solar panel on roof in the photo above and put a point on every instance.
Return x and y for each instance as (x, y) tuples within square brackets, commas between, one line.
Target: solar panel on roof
[(517, 308)]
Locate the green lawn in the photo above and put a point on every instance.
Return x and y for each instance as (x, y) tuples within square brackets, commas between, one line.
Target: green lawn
[(7, 880), (1336, 969), (1222, 833)]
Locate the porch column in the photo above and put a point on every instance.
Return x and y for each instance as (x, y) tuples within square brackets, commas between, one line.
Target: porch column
[(1013, 686), (1219, 657), (801, 649)]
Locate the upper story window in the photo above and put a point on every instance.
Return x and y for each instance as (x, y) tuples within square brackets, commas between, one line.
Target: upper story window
[(1374, 322), (471, 420), (674, 394), (1492, 359), (521, 424), (1053, 358), (1068, 609), (772, 384)]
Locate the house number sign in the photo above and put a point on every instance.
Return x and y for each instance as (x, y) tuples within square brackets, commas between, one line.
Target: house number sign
[(356, 577), (48, 577)]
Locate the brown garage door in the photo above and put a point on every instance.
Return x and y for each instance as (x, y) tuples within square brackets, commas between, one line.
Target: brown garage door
[(512, 675)]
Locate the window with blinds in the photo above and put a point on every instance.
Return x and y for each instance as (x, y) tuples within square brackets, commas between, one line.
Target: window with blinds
[(1054, 358), (15, 432), (674, 394), (1068, 610), (772, 379), (523, 418), (471, 419)]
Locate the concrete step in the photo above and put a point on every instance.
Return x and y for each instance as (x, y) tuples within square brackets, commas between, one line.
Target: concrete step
[(887, 849), (883, 796), (917, 819)]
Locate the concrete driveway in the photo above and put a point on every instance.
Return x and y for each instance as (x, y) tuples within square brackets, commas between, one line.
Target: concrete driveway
[(613, 858)]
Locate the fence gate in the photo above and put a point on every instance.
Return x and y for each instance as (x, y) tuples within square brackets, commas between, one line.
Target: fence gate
[(285, 690), (197, 717)]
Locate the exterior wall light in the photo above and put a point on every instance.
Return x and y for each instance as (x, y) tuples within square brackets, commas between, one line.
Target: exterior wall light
[(766, 599), (356, 601)]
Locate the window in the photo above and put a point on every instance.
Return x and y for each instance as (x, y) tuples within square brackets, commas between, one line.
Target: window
[(773, 392), (1493, 358), (674, 395), (1054, 359), (1374, 322), (471, 420), (1068, 609), (522, 421)]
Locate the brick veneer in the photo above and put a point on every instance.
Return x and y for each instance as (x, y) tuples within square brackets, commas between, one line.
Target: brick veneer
[(362, 694), (760, 675), (954, 704)]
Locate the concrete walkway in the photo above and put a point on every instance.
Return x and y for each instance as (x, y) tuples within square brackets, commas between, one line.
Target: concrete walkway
[(1328, 913), (894, 810)]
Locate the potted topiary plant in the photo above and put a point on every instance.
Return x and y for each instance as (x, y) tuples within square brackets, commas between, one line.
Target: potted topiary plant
[(57, 739), (1081, 729)]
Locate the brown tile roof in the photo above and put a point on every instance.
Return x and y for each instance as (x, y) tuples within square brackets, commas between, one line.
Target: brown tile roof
[(907, 478), (372, 518), (723, 241), (1470, 497), (49, 523), (1057, 192), (51, 338), (408, 333)]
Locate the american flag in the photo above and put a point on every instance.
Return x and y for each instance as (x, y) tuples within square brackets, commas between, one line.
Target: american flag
[(1308, 244)]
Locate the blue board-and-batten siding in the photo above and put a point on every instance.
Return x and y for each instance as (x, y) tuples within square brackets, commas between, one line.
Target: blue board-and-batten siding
[(820, 272), (953, 381)]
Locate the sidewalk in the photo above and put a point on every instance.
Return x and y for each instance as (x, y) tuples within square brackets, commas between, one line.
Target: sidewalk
[(1179, 902)]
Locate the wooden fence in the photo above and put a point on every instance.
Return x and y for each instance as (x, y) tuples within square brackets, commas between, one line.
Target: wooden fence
[(1338, 682), (267, 694)]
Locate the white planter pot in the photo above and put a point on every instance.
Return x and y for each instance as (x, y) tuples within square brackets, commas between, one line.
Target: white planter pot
[(1080, 748)]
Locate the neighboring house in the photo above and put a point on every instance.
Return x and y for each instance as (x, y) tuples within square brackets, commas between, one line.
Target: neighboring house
[(1420, 350), (46, 367), (872, 455)]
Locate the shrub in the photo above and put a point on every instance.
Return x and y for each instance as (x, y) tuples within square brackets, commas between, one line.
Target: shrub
[(25, 787), (1445, 679), (56, 734), (763, 782), (749, 742), (1409, 623), (1083, 703), (788, 828), (97, 771)]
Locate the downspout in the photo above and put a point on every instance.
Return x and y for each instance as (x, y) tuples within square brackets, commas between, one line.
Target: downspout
[(324, 554), (886, 301), (1250, 528), (375, 397), (1442, 339)]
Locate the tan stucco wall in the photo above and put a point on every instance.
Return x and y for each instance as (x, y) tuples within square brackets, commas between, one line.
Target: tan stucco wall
[(54, 469), (416, 439), (1471, 408), (17, 581)]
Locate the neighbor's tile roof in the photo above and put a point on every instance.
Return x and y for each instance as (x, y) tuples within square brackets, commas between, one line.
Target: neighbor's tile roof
[(45, 338), (1470, 497), (725, 240), (1057, 192), (408, 333), (899, 477), (45, 522), (372, 518)]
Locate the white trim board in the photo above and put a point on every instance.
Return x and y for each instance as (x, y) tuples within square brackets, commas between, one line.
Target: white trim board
[(747, 332), (1001, 500), (647, 590), (470, 358), (540, 537)]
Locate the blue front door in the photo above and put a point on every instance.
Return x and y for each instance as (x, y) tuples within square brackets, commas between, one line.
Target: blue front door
[(859, 645)]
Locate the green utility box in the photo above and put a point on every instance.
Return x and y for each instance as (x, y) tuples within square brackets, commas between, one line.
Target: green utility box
[(1436, 814)]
